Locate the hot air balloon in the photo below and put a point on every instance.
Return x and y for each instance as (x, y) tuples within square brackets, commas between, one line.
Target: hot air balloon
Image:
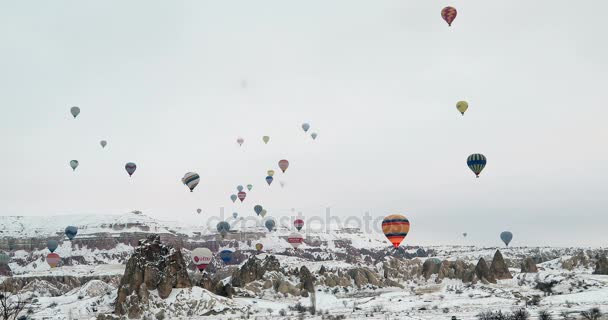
[(75, 111), (269, 180), (71, 232), (283, 165), (313, 135), (449, 14), (269, 224), (462, 106), (476, 163), (263, 213), (103, 143), (191, 179), (295, 239), (259, 247), (270, 172), (201, 258), (395, 228), (298, 223), (53, 259), (282, 183), (266, 139), (235, 214), (233, 198), (52, 245), (240, 141), (305, 127), (258, 209), (74, 164), (242, 195), (199, 210), (239, 188), (4, 258), (435, 260), (464, 234), (506, 237), (223, 227), (249, 187), (130, 167), (226, 255)]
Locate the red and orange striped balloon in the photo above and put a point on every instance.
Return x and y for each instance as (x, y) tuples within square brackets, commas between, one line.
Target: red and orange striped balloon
[(449, 14), (395, 228)]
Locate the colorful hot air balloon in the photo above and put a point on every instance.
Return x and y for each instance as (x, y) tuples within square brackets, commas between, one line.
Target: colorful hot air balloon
[(259, 247), (239, 188), (298, 223), (449, 14), (74, 164), (201, 258), (313, 135), (52, 245), (4, 258), (226, 255), (240, 141), (199, 210), (506, 237), (191, 179), (283, 165), (130, 167), (242, 195), (395, 228), (305, 127), (269, 224), (476, 163), (295, 239), (266, 139), (233, 198), (269, 180), (462, 106), (71, 232), (223, 227), (263, 213), (235, 214), (103, 143), (258, 209), (249, 187), (75, 111), (53, 259), (270, 172)]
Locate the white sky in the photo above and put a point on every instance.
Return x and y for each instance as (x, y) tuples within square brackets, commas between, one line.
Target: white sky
[(378, 80)]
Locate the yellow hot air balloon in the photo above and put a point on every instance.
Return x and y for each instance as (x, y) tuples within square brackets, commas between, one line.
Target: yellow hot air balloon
[(270, 172), (266, 139), (462, 106)]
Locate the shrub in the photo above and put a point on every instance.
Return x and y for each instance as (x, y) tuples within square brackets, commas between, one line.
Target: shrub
[(520, 314), (545, 315), (592, 314)]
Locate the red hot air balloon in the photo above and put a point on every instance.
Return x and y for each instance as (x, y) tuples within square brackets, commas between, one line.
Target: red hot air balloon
[(53, 259), (283, 165), (395, 227), (295, 239), (242, 195), (298, 223), (449, 14)]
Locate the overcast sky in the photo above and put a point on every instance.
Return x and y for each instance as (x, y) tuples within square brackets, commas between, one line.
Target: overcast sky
[(161, 81)]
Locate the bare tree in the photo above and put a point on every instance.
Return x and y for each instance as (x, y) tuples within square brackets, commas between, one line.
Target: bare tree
[(11, 305), (592, 314)]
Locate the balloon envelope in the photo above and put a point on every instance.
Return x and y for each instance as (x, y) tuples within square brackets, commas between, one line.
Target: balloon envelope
[(52, 245), (130, 167), (269, 179), (283, 165), (53, 259), (226, 255), (74, 164), (263, 213), (395, 227), (103, 143), (235, 214), (265, 139), (462, 106), (4, 259), (71, 232), (449, 14), (313, 135), (476, 163), (269, 224), (191, 180), (75, 111), (298, 223), (295, 239), (199, 210), (258, 209), (305, 127), (201, 258), (239, 188), (233, 197), (242, 195), (259, 246), (464, 234), (240, 141), (249, 187), (435, 260), (270, 172), (223, 227), (506, 237)]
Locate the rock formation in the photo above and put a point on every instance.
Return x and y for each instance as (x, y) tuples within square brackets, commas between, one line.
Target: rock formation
[(498, 268), (429, 268), (482, 271), (153, 266), (254, 269), (528, 265), (601, 266)]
